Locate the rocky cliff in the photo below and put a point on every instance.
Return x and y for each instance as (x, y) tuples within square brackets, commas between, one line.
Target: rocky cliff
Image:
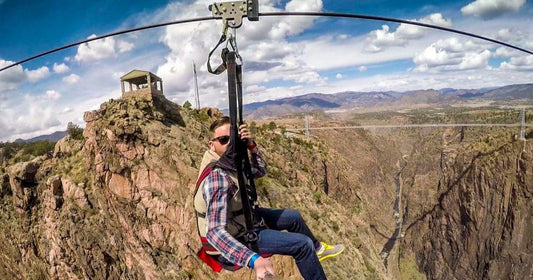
[(117, 204), (481, 224)]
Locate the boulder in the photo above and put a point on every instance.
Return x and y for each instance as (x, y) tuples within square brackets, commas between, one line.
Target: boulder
[(75, 192), (67, 146), (23, 183)]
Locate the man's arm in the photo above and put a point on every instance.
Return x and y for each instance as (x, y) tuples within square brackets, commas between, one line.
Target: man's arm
[(216, 192)]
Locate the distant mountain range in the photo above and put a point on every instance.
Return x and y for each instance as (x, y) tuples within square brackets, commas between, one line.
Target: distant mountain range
[(54, 137), (351, 100)]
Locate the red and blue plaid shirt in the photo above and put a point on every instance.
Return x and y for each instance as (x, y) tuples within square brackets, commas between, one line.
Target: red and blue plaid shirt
[(217, 191)]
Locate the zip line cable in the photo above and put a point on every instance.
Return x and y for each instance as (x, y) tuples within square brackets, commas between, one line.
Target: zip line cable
[(315, 14), (378, 18), (106, 36)]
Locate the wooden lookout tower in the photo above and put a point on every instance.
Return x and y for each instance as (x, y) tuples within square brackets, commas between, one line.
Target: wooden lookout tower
[(142, 84)]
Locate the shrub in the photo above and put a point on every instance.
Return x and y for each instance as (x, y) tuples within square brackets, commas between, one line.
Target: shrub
[(38, 148), (75, 131)]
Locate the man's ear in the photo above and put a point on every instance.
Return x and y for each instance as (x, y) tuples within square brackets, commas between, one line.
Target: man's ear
[(211, 146)]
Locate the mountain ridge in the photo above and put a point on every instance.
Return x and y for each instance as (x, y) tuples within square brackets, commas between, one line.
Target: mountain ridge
[(52, 137), (350, 99)]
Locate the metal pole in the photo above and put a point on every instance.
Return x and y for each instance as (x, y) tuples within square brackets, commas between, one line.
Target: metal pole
[(196, 94), (523, 125)]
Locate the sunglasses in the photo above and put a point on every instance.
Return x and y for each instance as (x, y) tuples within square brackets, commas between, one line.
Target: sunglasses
[(223, 140)]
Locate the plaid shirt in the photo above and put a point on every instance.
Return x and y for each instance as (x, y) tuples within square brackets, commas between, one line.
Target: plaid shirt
[(217, 191)]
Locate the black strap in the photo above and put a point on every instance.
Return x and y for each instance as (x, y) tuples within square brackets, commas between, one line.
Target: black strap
[(234, 89), (243, 151), (222, 66)]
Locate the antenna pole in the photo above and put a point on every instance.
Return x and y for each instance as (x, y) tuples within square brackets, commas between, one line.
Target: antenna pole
[(196, 94)]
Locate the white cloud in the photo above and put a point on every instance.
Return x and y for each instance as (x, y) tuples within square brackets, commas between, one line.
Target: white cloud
[(489, 9), (326, 52), (37, 117), (452, 54), (10, 78), (96, 50), (520, 63), (71, 79), (101, 49), (284, 27), (38, 74), (362, 68), (124, 46), (473, 60), (338, 76), (409, 31), (503, 52), (61, 68), (379, 40), (520, 38), (433, 56), (52, 95)]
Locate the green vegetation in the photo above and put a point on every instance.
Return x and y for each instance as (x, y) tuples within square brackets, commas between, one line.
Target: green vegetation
[(19, 151), (75, 131), (187, 105)]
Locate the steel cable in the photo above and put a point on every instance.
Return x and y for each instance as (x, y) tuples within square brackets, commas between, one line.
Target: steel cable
[(316, 14)]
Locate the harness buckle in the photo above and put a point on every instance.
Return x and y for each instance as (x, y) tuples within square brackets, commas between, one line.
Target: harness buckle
[(251, 237)]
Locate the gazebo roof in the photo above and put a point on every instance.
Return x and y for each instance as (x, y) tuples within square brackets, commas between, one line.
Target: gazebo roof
[(137, 74)]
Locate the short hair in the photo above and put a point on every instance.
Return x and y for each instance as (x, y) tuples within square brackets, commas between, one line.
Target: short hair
[(218, 123)]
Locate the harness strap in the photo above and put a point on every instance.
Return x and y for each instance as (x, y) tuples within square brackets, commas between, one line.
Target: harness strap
[(235, 213), (234, 87), (222, 67), (203, 175)]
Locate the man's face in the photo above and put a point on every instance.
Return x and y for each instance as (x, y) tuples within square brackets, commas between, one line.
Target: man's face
[(220, 140)]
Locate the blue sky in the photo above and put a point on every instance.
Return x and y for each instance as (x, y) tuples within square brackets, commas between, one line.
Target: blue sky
[(283, 56)]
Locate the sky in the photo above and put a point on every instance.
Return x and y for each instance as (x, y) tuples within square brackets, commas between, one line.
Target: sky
[(282, 56)]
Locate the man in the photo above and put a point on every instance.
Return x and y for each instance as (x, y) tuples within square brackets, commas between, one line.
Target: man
[(220, 219)]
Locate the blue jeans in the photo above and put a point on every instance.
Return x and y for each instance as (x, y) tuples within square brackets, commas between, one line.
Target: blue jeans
[(297, 242)]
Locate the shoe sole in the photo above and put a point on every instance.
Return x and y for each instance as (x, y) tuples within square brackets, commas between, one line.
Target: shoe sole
[(331, 256)]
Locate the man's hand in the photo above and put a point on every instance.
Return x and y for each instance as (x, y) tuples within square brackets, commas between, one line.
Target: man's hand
[(246, 134), (262, 268)]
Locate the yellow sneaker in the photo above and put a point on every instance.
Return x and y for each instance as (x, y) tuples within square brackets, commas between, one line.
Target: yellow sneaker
[(328, 251)]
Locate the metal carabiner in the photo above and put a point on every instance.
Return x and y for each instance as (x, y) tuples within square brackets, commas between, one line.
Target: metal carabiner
[(232, 42)]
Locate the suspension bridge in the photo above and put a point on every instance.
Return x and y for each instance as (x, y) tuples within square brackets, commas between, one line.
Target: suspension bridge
[(521, 124)]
